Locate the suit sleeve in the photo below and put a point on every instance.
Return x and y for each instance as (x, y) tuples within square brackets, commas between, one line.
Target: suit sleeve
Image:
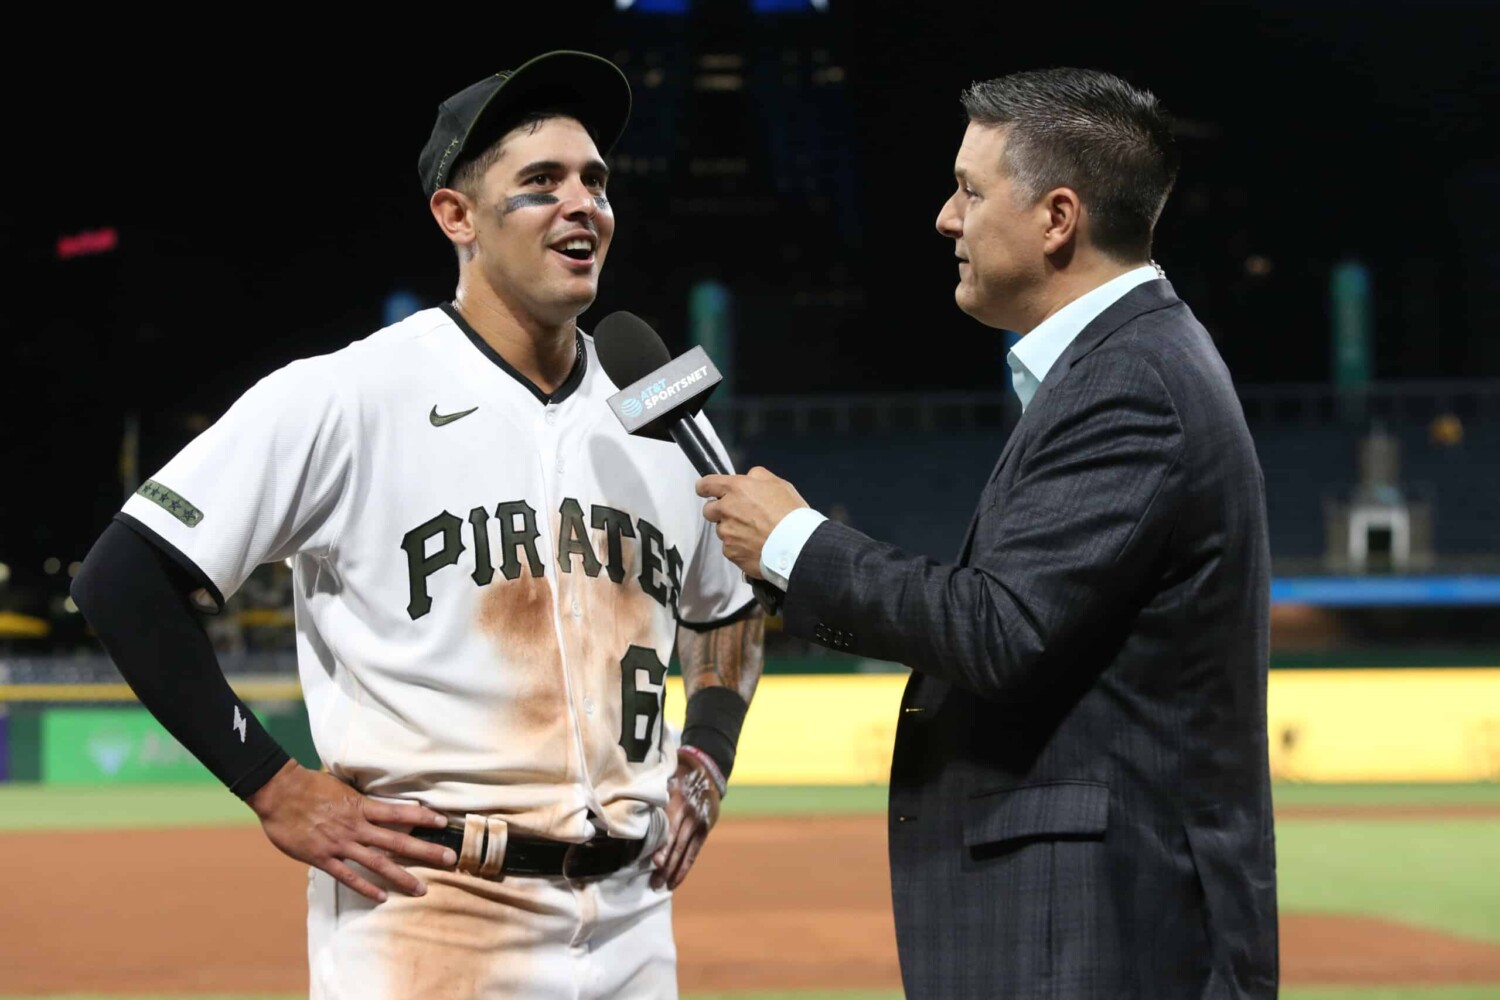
[(1069, 547)]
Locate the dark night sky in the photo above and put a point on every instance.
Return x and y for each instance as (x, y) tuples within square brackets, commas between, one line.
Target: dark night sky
[(262, 176)]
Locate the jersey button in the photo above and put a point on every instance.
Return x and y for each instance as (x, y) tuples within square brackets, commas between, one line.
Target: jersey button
[(551, 417), (588, 705), (577, 609)]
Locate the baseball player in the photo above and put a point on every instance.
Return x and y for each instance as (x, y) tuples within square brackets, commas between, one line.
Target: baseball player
[(489, 578)]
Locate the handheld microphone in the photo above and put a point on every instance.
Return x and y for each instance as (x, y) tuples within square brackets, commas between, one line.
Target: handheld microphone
[(658, 397)]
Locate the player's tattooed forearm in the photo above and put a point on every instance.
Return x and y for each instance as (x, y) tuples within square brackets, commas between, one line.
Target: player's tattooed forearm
[(731, 656), (531, 199)]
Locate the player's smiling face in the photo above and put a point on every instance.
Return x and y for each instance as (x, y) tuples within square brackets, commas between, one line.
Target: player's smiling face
[(544, 222)]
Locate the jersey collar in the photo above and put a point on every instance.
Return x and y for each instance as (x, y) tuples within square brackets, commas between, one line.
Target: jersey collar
[(569, 385)]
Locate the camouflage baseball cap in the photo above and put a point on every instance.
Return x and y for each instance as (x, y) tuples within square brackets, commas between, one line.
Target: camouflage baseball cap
[(588, 87)]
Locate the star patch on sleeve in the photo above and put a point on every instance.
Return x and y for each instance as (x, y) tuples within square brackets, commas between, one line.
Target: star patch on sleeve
[(171, 503)]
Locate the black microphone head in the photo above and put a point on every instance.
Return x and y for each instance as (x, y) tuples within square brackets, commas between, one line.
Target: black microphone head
[(628, 348)]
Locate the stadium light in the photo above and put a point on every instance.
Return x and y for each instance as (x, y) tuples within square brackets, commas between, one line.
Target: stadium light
[(89, 243)]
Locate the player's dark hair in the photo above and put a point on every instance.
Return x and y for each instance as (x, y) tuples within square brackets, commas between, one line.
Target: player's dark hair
[(1089, 131), (467, 175)]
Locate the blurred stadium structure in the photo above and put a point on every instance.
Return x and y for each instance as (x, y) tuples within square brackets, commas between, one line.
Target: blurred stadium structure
[(1391, 493), (1424, 451)]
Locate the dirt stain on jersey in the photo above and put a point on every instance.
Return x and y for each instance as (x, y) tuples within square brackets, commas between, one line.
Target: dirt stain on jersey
[(517, 616), (465, 938)]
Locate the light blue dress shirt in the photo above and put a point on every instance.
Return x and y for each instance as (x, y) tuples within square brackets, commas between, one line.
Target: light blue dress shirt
[(1035, 354), (1030, 361)]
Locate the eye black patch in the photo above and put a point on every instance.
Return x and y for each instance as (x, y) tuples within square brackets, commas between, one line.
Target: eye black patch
[(520, 201)]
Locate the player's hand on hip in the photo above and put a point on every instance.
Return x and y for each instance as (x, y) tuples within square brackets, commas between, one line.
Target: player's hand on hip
[(746, 510), (692, 811), (317, 819)]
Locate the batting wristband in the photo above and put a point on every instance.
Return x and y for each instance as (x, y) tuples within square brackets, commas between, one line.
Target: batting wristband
[(715, 716), (720, 782)]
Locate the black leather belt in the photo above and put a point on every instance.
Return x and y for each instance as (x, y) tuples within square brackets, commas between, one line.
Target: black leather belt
[(604, 855)]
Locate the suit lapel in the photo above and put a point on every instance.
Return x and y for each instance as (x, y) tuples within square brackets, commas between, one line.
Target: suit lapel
[(1010, 446), (1013, 416), (1144, 298)]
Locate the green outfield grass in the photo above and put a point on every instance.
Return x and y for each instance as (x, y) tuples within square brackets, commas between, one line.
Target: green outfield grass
[(800, 995), (1479, 794), (1406, 993), (1443, 874), (805, 800), (1391, 993), (1309, 993), (43, 807), (38, 807)]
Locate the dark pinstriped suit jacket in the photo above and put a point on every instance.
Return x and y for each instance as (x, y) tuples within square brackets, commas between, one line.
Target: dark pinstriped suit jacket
[(1080, 806)]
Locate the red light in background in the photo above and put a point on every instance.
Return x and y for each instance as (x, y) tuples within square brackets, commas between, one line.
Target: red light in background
[(87, 244)]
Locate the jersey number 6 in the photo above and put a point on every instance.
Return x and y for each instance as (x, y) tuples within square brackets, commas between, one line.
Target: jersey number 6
[(640, 703)]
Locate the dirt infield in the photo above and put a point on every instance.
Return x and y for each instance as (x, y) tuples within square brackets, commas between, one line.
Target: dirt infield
[(772, 904)]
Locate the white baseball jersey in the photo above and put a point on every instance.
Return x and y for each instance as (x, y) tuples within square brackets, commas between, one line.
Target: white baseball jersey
[(486, 576)]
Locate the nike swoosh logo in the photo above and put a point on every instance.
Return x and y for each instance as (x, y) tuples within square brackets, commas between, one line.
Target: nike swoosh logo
[(439, 419)]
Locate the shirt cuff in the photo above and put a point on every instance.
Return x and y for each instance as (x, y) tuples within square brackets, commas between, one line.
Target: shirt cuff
[(784, 544)]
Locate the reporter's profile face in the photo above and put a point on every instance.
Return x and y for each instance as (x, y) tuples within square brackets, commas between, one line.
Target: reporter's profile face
[(996, 239)]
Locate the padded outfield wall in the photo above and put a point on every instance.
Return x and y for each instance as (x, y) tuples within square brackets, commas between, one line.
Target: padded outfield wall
[(1329, 725)]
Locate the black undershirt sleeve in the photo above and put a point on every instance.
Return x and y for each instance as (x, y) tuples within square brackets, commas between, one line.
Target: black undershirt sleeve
[(136, 599)]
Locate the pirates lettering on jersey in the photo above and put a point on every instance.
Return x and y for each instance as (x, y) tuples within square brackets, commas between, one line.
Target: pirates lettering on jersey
[(660, 573)]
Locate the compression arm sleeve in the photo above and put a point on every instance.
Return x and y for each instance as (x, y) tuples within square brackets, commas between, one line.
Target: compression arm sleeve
[(135, 597)]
